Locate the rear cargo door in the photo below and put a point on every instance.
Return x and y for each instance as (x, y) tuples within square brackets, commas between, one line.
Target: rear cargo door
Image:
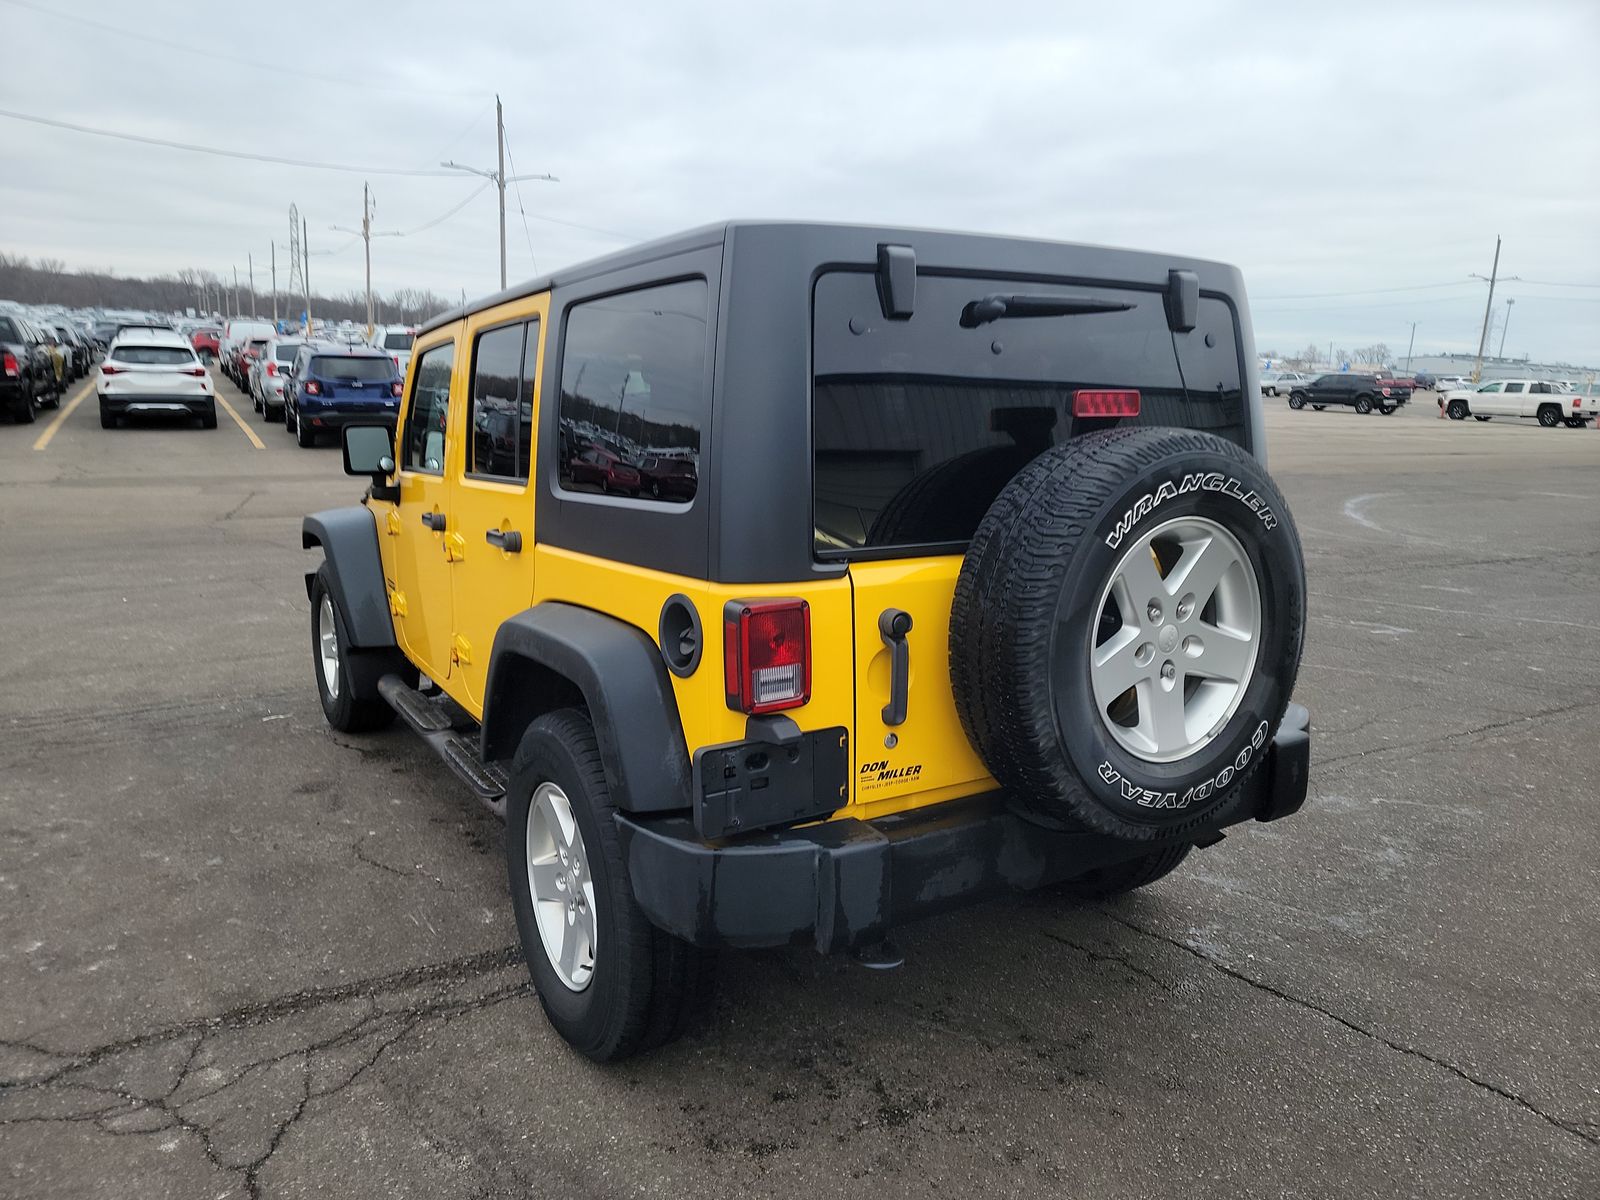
[(918, 423)]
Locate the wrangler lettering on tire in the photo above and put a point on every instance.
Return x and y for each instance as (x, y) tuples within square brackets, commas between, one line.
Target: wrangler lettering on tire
[(1127, 628)]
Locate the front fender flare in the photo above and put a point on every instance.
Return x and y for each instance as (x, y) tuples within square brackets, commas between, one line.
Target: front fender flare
[(541, 655), (349, 541)]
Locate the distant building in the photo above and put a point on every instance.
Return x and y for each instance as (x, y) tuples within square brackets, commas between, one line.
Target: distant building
[(1500, 368)]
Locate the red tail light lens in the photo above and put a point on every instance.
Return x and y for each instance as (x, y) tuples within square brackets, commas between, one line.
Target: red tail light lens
[(766, 646), (197, 372), (1112, 403), (272, 367), (313, 388), (394, 389), (10, 364), (108, 369)]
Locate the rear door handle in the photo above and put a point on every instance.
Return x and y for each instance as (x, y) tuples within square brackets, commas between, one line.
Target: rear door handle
[(509, 541), (434, 521), (893, 625)]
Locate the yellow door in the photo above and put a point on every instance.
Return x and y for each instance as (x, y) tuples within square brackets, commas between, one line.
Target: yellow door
[(492, 504), (919, 755), (426, 539)]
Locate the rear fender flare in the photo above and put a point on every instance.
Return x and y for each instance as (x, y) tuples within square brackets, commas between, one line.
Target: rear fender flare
[(556, 655), (349, 541)]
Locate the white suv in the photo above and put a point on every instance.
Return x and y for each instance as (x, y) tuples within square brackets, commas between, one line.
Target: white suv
[(395, 341), (1551, 404), (154, 371)]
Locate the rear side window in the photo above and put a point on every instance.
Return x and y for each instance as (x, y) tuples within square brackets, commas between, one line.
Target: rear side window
[(397, 341), (154, 356), (504, 368), (342, 368), (918, 424), (1513, 387), (285, 351), (634, 391), (422, 449)]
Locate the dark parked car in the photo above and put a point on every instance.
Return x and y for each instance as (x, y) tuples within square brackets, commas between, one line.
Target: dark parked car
[(668, 478), (1360, 392), (27, 370), (333, 386), (604, 469)]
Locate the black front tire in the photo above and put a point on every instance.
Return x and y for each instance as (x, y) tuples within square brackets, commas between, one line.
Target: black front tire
[(1296, 401), (1123, 877), (647, 986), (1457, 410), (356, 706)]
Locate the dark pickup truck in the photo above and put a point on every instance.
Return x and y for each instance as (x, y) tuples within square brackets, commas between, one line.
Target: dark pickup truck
[(1360, 392), (27, 371)]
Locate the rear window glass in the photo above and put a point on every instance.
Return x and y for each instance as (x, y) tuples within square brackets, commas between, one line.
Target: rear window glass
[(155, 356), (285, 351), (397, 341), (349, 369), (8, 331), (917, 425)]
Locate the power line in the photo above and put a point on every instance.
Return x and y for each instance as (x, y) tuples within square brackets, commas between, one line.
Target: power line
[(526, 232), (1420, 287), (439, 220), (220, 55), (213, 150)]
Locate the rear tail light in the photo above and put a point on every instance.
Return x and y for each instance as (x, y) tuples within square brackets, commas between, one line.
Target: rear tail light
[(766, 648), (396, 358), (313, 388), (1577, 401), (10, 364), (108, 369), (197, 372), (272, 368), (394, 388), (1102, 403), (1385, 391)]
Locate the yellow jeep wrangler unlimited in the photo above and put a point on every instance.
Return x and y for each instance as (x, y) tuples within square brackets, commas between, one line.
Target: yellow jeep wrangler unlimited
[(781, 583)]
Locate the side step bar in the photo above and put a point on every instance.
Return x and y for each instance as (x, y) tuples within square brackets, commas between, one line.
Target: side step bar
[(441, 723)]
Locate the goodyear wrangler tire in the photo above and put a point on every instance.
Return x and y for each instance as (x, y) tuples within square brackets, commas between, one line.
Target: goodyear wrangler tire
[(1127, 627)]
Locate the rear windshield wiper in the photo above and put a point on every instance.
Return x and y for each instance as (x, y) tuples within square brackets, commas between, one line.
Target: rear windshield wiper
[(997, 308)]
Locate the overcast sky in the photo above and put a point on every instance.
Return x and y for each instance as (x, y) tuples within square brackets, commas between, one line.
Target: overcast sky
[(1356, 149)]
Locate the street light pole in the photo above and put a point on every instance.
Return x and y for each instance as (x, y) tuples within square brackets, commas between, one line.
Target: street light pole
[(366, 235), (1505, 325), (1410, 345), (1488, 307), (498, 178), (274, 285)]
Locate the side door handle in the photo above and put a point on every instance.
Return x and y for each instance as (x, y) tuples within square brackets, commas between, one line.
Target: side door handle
[(434, 521), (509, 541), (893, 625)]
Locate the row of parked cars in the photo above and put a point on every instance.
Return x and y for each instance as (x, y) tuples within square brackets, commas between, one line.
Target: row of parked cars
[(1552, 403), (38, 359)]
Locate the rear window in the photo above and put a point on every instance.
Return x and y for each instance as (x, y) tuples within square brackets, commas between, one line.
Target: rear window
[(397, 341), (917, 425), (285, 351), (349, 368), (9, 331), (155, 356)]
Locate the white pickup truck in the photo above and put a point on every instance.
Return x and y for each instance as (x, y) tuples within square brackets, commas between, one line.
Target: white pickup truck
[(1551, 404)]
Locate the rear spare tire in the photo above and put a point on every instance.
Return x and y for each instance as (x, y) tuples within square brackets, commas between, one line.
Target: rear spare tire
[(1127, 627)]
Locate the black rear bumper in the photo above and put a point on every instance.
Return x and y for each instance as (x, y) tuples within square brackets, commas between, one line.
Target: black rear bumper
[(845, 883)]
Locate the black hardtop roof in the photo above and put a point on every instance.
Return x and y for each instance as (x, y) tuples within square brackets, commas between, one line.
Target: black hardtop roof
[(1005, 246)]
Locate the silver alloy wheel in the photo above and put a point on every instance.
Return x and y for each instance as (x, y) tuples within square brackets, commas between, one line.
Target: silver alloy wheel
[(328, 646), (1181, 657), (562, 887)]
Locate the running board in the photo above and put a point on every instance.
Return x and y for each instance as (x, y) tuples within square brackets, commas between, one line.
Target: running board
[(439, 722)]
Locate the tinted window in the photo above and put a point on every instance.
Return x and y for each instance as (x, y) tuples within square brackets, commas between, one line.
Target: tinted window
[(1513, 387), (918, 424), (348, 368), (285, 351), (1540, 389), (633, 383), (423, 447), (155, 356), (397, 341), (503, 370), (8, 331), (1490, 387)]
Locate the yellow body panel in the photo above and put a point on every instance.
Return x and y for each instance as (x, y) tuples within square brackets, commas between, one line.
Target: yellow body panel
[(450, 591)]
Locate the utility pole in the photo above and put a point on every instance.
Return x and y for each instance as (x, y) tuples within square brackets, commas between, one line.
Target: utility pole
[(236, 290), (250, 265), (1488, 307), (1409, 346), (274, 285), (305, 248), (1505, 325), (366, 235), (498, 177)]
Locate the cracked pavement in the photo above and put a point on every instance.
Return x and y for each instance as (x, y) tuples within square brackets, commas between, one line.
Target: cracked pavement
[(243, 957)]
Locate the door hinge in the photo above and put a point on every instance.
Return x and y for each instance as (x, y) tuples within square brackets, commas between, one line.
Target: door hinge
[(461, 652), (397, 602), (455, 547), (392, 525)]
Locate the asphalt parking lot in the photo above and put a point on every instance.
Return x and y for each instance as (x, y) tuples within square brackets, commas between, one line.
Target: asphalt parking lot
[(243, 956)]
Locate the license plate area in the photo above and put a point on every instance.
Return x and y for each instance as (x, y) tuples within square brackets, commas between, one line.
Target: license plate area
[(744, 786)]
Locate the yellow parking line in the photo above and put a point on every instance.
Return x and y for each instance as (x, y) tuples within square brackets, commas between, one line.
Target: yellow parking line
[(43, 439), (241, 423)]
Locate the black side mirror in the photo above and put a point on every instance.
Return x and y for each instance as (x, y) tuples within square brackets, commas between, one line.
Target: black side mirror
[(369, 450)]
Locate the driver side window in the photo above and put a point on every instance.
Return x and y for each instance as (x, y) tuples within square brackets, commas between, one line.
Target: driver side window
[(422, 447)]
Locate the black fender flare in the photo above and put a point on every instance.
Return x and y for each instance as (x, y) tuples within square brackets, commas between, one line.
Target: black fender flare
[(554, 655), (349, 541)]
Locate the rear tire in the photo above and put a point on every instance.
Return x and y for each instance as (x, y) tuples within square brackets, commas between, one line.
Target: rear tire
[(1387, 409), (108, 420), (347, 679), (633, 987), (1575, 422), (1296, 401), (23, 410), (1363, 405), (1318, 407), (1479, 417), (208, 420), (1123, 877), (1549, 416)]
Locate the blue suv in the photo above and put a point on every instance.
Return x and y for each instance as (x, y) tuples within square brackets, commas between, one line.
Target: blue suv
[(333, 386)]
